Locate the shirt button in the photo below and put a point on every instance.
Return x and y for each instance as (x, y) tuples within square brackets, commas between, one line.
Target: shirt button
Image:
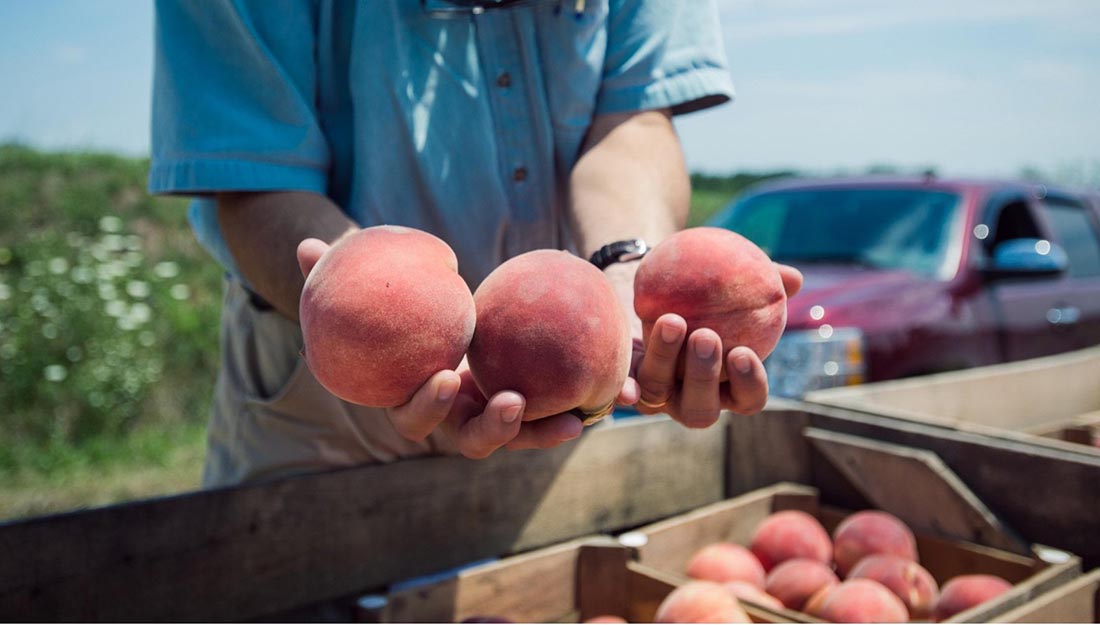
[(504, 80), (519, 174)]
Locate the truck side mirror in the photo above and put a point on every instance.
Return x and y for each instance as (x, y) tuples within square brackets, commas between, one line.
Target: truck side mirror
[(1024, 258)]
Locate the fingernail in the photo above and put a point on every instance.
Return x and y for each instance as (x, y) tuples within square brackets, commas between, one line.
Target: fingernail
[(670, 333), (704, 349), (742, 363), (447, 390), (511, 413)]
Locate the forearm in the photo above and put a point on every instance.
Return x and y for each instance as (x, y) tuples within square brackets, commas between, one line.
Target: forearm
[(630, 182), (262, 231)]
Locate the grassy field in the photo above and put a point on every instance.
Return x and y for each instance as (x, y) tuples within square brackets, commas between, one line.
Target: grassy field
[(109, 329)]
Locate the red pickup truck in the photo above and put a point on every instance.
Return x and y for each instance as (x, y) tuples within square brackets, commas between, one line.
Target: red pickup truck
[(909, 276)]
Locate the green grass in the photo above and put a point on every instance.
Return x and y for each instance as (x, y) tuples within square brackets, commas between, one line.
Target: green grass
[(109, 331)]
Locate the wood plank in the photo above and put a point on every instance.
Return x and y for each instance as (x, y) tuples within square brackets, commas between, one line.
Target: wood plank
[(501, 589), (235, 554), (1047, 495), (602, 587), (902, 480), (1077, 601), (1016, 395)]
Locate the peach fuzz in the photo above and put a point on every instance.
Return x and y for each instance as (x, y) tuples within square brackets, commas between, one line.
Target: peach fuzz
[(857, 601), (966, 591), (382, 311), (700, 602), (716, 279), (550, 327), (794, 581), (749, 592), (869, 532), (790, 534), (726, 562), (911, 582)]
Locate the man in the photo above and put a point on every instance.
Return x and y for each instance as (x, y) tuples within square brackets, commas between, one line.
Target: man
[(500, 126)]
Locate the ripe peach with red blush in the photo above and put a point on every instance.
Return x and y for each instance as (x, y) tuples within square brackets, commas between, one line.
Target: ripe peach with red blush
[(794, 581), (790, 534), (966, 591), (700, 602), (713, 278), (911, 582), (869, 532), (726, 562), (857, 601), (382, 311), (550, 327)]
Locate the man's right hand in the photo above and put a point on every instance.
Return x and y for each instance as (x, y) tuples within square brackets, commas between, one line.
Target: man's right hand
[(452, 401)]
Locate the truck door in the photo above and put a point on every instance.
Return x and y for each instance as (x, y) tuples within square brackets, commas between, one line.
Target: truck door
[(1073, 225), (1029, 308)]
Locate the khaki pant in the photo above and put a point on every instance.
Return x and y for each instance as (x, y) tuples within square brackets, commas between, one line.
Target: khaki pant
[(271, 418)]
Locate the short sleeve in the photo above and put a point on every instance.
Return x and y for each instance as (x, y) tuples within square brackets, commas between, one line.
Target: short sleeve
[(664, 54), (234, 98)]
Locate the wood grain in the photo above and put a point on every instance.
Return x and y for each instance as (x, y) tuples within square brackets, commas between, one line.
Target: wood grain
[(242, 553)]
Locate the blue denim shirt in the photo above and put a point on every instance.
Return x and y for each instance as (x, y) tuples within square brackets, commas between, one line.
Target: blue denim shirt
[(466, 126)]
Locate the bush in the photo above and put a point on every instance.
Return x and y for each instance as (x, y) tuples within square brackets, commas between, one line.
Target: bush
[(108, 307)]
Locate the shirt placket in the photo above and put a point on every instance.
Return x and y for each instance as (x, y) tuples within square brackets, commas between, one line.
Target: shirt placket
[(508, 92)]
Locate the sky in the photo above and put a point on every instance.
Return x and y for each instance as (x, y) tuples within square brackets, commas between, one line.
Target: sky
[(981, 87)]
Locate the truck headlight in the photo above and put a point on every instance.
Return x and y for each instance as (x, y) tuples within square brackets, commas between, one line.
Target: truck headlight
[(808, 360)]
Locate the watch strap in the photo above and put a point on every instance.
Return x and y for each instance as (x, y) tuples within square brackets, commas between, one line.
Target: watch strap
[(619, 252)]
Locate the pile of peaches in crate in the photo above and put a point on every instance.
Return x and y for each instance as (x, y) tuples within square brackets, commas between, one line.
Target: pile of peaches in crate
[(868, 571)]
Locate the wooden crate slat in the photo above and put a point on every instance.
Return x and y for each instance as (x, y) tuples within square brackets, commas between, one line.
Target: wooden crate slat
[(242, 553)]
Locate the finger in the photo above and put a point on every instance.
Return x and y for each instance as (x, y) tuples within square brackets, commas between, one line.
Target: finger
[(748, 385), (428, 407), (309, 252), (499, 423), (792, 279), (657, 372), (699, 400), (629, 394), (547, 432)]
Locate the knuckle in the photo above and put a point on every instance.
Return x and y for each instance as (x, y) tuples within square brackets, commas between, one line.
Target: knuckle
[(698, 418)]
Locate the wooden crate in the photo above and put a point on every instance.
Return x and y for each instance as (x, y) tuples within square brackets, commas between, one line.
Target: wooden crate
[(989, 488), (1076, 602), (253, 552), (565, 583), (668, 545), (1054, 400)]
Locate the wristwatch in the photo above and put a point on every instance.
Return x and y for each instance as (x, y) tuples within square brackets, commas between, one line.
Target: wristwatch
[(619, 252)]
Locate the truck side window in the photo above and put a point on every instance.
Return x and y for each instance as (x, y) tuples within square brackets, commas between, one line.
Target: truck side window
[(1013, 222), (1076, 232)]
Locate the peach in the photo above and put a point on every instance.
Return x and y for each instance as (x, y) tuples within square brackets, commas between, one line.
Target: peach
[(869, 532), (794, 581), (381, 312), (605, 618), (726, 562), (911, 582), (966, 591), (713, 278), (750, 592), (790, 534), (700, 602), (857, 601), (550, 327)]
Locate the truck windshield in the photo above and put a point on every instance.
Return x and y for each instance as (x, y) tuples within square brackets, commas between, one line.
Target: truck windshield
[(908, 229)]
